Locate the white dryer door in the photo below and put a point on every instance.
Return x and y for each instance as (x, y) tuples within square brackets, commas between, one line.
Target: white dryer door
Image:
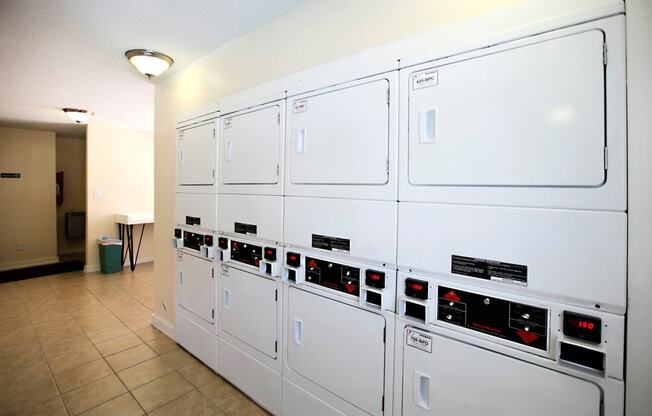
[(338, 347), (340, 137), (248, 309), (528, 116), (250, 145), (450, 377), (196, 155), (195, 285)]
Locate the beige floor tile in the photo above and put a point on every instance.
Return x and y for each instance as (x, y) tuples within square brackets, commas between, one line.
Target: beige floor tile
[(53, 407), (118, 344), (20, 396), (149, 333), (190, 404), (161, 391), (144, 372), (94, 394), (130, 357), (162, 345), (221, 392), (82, 375), (243, 407), (179, 358), (123, 405), (107, 333), (198, 374), (71, 357)]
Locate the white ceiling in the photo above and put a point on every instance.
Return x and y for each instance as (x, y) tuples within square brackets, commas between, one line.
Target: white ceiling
[(70, 53)]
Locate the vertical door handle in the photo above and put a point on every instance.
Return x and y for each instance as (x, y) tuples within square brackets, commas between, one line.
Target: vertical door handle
[(181, 279), (428, 125), (301, 140), (421, 389), (298, 331), (181, 157), (228, 150), (227, 299)]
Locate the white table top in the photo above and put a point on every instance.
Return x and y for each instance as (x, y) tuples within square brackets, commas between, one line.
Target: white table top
[(131, 218)]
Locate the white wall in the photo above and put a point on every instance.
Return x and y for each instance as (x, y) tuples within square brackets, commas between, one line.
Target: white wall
[(639, 90), (120, 178)]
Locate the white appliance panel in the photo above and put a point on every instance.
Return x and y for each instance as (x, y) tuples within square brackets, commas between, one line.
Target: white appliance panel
[(201, 206), (263, 211), (248, 309), (196, 155), (197, 340), (338, 347), (250, 146), (529, 116), (340, 137), (194, 281), (370, 226), (575, 256), (460, 379)]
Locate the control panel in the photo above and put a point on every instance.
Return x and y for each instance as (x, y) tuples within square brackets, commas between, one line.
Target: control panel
[(193, 240), (516, 322), (246, 253), (584, 327), (333, 275)]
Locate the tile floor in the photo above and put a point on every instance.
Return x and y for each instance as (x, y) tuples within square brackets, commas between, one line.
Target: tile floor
[(82, 344)]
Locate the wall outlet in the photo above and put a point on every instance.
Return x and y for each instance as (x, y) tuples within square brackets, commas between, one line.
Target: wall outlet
[(20, 246)]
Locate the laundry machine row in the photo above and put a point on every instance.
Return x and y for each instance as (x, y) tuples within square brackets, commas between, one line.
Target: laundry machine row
[(500, 201)]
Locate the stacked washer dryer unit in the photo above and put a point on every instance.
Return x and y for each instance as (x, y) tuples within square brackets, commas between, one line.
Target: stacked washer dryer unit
[(340, 237), (194, 234), (250, 227), (512, 228)]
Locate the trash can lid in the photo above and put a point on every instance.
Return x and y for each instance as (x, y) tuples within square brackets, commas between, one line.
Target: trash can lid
[(106, 241)]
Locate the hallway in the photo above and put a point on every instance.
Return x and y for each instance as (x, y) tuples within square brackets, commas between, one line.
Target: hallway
[(82, 344)]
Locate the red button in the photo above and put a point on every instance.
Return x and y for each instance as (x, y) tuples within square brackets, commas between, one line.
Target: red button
[(312, 263), (527, 337), (451, 295)]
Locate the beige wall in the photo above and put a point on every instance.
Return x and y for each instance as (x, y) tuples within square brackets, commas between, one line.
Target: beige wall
[(313, 33), (120, 178), (27, 205), (71, 160)]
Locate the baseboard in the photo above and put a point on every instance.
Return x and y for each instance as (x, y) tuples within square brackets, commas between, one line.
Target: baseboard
[(96, 267), (21, 264), (162, 325)]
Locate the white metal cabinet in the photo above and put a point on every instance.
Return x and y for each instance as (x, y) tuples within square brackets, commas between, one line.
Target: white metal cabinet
[(339, 347), (263, 213), (195, 288), (341, 140), (196, 155), (449, 377), (197, 210), (251, 145), (248, 309), (537, 122)]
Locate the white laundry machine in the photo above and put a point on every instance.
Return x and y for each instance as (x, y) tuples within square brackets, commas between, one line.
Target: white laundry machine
[(536, 122), (195, 326), (342, 137), (196, 151), (338, 331), (472, 351)]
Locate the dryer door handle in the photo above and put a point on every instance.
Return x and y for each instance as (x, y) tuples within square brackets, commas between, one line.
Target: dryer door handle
[(180, 279), (421, 390), (428, 125), (181, 159), (301, 140), (229, 151), (227, 299), (298, 331)]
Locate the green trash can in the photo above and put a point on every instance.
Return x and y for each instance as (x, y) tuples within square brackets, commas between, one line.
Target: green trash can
[(110, 254)]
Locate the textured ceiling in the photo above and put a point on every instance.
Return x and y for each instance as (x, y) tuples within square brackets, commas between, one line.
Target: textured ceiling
[(69, 53)]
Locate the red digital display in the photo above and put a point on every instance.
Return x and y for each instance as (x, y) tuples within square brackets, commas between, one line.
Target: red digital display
[(374, 277), (415, 286), (583, 327)]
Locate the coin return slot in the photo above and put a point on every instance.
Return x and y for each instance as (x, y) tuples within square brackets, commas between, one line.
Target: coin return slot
[(415, 310)]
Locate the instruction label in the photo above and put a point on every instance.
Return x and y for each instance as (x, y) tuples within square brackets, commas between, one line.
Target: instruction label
[(10, 175), (419, 340), (331, 243), (227, 123), (248, 229), (425, 79), (496, 271), (300, 106)]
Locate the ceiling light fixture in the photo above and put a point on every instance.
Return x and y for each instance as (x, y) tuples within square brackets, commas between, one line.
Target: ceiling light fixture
[(148, 62), (77, 115)]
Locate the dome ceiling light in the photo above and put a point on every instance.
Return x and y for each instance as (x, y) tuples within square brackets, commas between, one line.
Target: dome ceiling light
[(148, 62), (77, 115)]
